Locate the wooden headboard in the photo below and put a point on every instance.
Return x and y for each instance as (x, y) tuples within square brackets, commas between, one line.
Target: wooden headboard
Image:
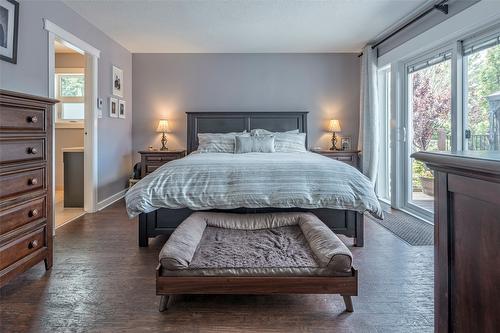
[(225, 122)]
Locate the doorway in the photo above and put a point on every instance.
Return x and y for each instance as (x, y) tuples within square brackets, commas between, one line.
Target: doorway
[(69, 116), (70, 113)]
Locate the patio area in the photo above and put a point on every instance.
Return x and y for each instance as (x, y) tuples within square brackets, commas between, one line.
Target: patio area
[(423, 200)]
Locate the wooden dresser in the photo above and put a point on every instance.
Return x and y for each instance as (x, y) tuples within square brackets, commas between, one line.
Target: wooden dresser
[(467, 240), (25, 183), (349, 157), (153, 159)]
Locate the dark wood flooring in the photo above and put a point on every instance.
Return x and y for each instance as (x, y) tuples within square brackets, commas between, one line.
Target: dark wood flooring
[(103, 282)]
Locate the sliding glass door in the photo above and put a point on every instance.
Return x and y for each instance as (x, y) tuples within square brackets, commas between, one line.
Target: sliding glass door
[(446, 99), (482, 93), (428, 124)]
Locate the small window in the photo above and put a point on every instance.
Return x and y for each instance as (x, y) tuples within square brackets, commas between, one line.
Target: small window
[(71, 85), (73, 111), (70, 91)]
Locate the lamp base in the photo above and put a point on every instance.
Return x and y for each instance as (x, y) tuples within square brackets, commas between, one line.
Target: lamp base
[(163, 142), (334, 142)]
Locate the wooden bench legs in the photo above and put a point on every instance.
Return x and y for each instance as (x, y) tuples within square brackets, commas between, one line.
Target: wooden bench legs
[(348, 303), (166, 302)]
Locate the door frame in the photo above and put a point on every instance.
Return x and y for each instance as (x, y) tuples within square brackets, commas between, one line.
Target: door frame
[(91, 110)]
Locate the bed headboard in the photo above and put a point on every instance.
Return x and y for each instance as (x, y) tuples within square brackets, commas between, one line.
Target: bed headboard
[(225, 122)]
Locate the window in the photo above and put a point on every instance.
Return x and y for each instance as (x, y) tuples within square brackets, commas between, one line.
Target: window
[(70, 91), (71, 85), (482, 92)]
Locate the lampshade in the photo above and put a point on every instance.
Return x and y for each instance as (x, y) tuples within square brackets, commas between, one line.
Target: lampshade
[(335, 125), (162, 126)]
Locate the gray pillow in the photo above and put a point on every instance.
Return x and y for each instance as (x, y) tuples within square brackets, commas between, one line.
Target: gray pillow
[(285, 142), (254, 144), (217, 142), (290, 143)]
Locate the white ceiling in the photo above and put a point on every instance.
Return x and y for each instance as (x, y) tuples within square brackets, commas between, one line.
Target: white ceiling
[(238, 26)]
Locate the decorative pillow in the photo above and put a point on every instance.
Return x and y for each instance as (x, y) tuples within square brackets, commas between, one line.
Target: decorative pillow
[(255, 144), (217, 142)]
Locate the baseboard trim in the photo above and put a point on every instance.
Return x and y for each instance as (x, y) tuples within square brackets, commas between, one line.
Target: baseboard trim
[(111, 200)]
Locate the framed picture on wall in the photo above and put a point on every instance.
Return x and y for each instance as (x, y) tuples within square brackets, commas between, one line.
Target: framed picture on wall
[(9, 21), (113, 107), (345, 143), (121, 109), (117, 81)]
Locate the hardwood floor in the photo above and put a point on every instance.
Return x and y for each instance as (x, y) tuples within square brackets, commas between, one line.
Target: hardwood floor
[(104, 283)]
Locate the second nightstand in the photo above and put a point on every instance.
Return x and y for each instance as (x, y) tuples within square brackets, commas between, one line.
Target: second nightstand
[(153, 159), (350, 157)]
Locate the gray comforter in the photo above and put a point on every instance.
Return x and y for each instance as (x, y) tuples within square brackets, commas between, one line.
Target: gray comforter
[(254, 180)]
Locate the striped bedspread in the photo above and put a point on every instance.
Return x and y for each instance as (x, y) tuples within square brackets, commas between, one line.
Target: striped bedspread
[(253, 180)]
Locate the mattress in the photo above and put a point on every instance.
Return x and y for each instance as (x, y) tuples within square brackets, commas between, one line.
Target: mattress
[(272, 244), (254, 180)]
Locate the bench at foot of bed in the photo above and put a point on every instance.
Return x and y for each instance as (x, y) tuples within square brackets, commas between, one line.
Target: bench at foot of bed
[(277, 253), (168, 286)]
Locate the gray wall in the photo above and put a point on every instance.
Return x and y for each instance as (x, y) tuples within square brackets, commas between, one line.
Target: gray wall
[(30, 75), (168, 85)]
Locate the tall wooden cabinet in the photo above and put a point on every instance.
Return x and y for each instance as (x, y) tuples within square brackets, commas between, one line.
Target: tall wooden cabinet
[(25, 183), (467, 240)]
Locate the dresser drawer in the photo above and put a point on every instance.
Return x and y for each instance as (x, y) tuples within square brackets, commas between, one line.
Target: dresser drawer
[(20, 182), (346, 159), (14, 118), (164, 159), (22, 150), (152, 167), (22, 247), (16, 216)]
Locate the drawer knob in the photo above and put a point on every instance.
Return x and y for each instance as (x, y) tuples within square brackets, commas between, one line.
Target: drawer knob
[(32, 119), (32, 150), (32, 244), (33, 181), (33, 213)]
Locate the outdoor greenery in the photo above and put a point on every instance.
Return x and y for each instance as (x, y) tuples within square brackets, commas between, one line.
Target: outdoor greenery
[(72, 85), (483, 80), (431, 103)]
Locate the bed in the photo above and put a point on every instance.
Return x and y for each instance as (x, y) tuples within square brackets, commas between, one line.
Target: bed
[(165, 198)]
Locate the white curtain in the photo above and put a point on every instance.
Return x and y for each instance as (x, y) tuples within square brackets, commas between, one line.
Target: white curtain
[(369, 128)]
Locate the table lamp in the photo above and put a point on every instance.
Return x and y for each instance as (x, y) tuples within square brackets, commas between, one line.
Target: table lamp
[(163, 128), (334, 128)]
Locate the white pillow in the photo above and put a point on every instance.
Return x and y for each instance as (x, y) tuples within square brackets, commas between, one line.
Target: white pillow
[(217, 142)]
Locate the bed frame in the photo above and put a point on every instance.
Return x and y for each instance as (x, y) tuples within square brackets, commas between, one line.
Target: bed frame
[(169, 286), (164, 220)]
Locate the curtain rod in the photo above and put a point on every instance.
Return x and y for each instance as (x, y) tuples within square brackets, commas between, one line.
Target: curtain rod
[(441, 6)]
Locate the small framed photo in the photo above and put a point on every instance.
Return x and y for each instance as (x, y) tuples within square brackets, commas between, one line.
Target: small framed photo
[(113, 107), (117, 81), (121, 109), (345, 143), (9, 22)]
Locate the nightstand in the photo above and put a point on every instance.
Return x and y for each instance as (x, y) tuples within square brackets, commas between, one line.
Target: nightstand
[(350, 157), (153, 159)]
